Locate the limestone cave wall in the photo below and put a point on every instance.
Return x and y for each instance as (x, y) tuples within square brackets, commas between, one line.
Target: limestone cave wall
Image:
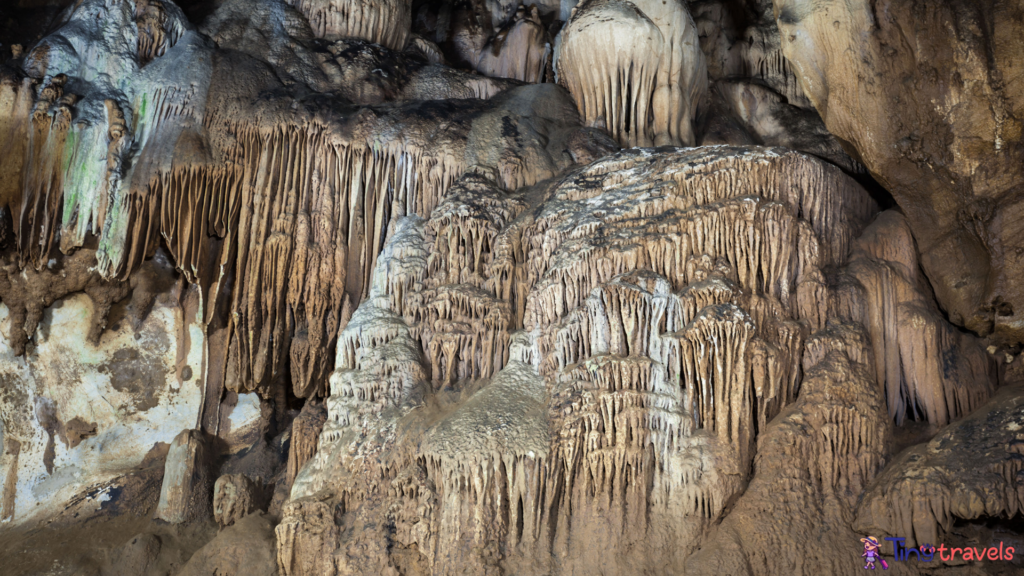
[(341, 287)]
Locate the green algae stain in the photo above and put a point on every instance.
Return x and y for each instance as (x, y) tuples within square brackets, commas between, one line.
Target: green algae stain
[(70, 143)]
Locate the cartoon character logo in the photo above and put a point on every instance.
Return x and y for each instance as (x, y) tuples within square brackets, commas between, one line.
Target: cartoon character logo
[(871, 555)]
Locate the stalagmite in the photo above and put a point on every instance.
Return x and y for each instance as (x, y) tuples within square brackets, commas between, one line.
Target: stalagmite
[(635, 68), (187, 489), (234, 497)]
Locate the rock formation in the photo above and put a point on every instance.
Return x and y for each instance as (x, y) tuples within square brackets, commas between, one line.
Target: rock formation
[(930, 370), (929, 96), (484, 287), (755, 96), (971, 469), (234, 497), (618, 280), (812, 462), (384, 22), (635, 68), (188, 489)]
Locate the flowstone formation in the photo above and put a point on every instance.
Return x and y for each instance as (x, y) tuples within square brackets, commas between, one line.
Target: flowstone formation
[(649, 312), (340, 287)]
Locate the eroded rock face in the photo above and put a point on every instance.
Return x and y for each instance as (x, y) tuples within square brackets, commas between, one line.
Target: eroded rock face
[(53, 424), (930, 96)]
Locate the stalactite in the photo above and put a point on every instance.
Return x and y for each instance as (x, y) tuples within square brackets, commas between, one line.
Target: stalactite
[(929, 369), (480, 479), (278, 212), (463, 327), (635, 68), (520, 49), (813, 461), (660, 298), (157, 32), (384, 22), (516, 343), (51, 146), (16, 104)]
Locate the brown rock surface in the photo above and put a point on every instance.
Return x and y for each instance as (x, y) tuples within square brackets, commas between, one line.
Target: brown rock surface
[(305, 434), (245, 548), (234, 497), (930, 96)]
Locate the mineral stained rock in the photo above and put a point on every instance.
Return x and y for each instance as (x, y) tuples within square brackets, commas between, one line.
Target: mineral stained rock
[(930, 96), (140, 375), (386, 269), (192, 163)]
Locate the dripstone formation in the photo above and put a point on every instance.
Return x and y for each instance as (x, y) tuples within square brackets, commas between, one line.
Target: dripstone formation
[(361, 287)]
